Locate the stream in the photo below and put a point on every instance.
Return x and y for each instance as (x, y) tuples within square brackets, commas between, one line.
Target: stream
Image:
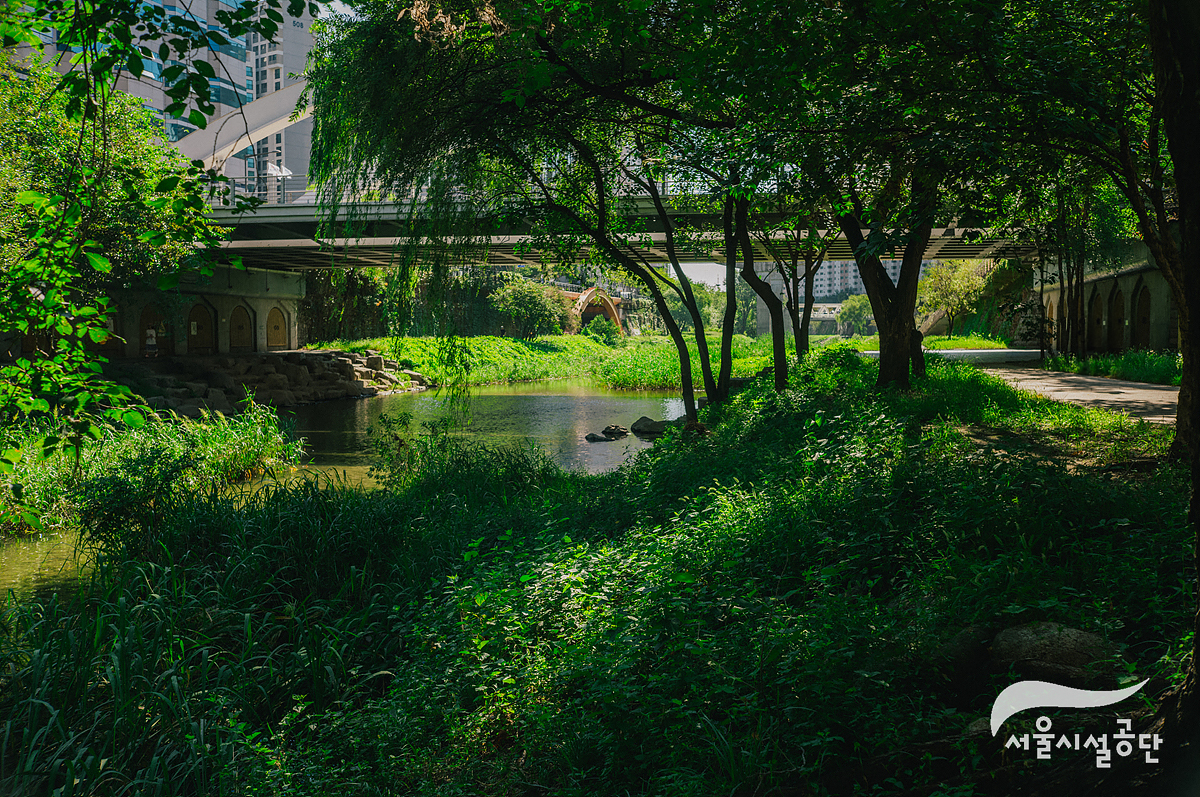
[(554, 415)]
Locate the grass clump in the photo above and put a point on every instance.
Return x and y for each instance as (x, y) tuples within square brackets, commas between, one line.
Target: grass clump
[(1156, 367), (213, 450), (756, 607)]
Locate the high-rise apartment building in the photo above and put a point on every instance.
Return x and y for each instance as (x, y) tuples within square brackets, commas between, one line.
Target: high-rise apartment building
[(247, 68), (277, 166)]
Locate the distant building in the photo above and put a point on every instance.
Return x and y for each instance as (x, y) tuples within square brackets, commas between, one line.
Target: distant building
[(834, 278)]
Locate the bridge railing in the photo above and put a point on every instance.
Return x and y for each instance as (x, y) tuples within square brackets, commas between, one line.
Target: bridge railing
[(290, 189)]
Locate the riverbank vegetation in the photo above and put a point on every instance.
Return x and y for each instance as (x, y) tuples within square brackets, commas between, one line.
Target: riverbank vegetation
[(762, 603), (644, 362), (48, 492), (1160, 368)]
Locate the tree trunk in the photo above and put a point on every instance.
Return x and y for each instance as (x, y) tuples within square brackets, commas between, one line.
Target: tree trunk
[(1174, 31), (810, 298), (687, 386), (894, 304), (730, 320), (763, 289)]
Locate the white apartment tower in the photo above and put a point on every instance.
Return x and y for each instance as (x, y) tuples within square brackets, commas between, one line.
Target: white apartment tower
[(277, 166), (247, 68)]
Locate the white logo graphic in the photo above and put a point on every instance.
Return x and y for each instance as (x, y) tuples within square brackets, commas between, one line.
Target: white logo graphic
[(1038, 694)]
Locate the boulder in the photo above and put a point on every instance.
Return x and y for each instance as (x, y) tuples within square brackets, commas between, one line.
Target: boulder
[(275, 382), (189, 408), (375, 362), (260, 370), (296, 374), (278, 398), (197, 388), (614, 431), (644, 425), (414, 376), (323, 391), (219, 379), (592, 437), (1048, 651)]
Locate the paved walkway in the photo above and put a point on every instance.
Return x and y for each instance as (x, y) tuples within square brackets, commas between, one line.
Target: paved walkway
[(1154, 403)]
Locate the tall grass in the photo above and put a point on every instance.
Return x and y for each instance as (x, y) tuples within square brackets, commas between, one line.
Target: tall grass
[(653, 362), (486, 360), (934, 342), (1161, 368), (216, 449), (756, 608)]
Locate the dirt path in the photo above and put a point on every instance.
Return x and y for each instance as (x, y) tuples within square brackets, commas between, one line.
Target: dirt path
[(1154, 403)]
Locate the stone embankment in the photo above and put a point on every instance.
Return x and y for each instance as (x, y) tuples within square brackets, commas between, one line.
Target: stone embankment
[(281, 379)]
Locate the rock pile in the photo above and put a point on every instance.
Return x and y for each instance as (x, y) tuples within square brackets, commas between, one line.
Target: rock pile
[(189, 384), (642, 427)]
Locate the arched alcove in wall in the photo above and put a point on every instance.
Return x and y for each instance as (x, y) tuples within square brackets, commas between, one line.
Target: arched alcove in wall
[(1139, 336), (152, 318), (277, 330), (201, 332), (1116, 320), (241, 330), (1095, 323)]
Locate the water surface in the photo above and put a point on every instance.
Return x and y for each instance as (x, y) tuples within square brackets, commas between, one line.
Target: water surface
[(553, 415)]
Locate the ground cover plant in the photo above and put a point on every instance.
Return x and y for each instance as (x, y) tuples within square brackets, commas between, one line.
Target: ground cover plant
[(1157, 367), (755, 604), (213, 450)]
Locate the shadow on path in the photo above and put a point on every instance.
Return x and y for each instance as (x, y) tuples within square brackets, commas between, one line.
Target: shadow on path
[(1153, 403)]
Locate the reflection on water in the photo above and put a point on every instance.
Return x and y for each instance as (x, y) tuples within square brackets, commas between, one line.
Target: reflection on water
[(554, 415), (38, 566)]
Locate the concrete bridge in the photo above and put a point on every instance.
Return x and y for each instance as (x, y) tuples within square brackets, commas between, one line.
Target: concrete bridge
[(283, 233)]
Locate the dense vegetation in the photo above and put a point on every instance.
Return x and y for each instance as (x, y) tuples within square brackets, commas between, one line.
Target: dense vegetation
[(1161, 368), (49, 491), (631, 363), (754, 605)]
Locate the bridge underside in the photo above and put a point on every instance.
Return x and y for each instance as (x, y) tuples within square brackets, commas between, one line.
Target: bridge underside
[(283, 251)]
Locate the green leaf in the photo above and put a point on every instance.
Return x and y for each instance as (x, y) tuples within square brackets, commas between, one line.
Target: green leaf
[(168, 281), (30, 198), (167, 184), (684, 578), (134, 420), (204, 68), (99, 262), (527, 577)]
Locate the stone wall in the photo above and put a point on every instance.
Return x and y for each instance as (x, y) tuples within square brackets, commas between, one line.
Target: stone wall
[(187, 385)]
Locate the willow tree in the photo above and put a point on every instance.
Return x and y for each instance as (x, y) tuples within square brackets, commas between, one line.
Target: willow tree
[(557, 156)]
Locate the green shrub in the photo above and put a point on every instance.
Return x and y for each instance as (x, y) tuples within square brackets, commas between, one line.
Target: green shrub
[(532, 309), (1161, 368), (603, 330)]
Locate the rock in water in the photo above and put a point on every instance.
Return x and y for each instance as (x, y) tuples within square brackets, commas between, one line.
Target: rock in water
[(644, 425), (614, 431)]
